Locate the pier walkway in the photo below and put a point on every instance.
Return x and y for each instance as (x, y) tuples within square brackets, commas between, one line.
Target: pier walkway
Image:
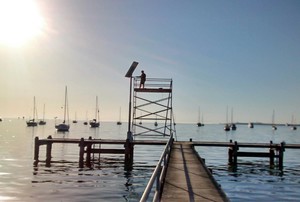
[(188, 179)]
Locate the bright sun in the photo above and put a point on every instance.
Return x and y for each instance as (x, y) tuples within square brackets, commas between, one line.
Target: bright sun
[(20, 21)]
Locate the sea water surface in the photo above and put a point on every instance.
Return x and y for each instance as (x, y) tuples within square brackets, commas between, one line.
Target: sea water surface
[(107, 180)]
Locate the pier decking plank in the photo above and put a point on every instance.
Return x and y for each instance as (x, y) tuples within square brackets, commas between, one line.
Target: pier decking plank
[(187, 177)]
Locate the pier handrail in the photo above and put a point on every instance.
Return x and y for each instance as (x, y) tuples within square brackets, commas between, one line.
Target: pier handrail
[(158, 174)]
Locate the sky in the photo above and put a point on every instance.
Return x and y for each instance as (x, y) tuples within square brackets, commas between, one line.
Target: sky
[(240, 55)]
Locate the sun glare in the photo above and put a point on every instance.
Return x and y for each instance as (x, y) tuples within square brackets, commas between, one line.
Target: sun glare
[(20, 21)]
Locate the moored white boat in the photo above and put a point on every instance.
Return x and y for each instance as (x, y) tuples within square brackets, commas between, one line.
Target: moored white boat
[(250, 125)]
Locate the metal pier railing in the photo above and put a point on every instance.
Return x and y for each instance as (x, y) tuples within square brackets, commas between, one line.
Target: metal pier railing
[(158, 176)]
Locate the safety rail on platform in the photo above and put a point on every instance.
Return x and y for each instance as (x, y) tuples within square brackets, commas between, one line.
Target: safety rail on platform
[(158, 174), (154, 83)]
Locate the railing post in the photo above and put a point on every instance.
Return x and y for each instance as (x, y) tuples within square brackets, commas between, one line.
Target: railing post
[(48, 151), (158, 181), (81, 152)]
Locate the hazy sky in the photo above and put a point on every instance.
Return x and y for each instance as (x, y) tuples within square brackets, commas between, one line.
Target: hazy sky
[(240, 54)]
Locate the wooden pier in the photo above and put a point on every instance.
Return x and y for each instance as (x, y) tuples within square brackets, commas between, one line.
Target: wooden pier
[(188, 179), (87, 147), (275, 150)]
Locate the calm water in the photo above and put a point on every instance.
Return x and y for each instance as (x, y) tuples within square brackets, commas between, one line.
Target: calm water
[(108, 181)]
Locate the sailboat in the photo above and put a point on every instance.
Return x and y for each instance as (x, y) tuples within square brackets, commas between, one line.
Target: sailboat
[(63, 127), (85, 123), (227, 126), (32, 122), (199, 123), (250, 125), (273, 118), (43, 122), (232, 125), (293, 125), (119, 122), (75, 120), (95, 122)]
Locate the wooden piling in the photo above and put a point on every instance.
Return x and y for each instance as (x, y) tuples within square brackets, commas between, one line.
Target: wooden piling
[(48, 151), (235, 153), (128, 154), (281, 150), (81, 152), (230, 154), (272, 155), (36, 149), (88, 153)]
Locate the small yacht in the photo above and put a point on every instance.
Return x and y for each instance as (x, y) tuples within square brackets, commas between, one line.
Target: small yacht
[(95, 122), (232, 126), (119, 122), (227, 127), (64, 127), (273, 120), (250, 125), (43, 122), (32, 122)]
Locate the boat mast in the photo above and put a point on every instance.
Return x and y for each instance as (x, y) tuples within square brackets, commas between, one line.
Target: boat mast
[(227, 115), (44, 113), (231, 115), (33, 117), (97, 113), (65, 108), (198, 114), (120, 115)]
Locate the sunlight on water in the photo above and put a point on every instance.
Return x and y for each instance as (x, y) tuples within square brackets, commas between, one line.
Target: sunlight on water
[(107, 180)]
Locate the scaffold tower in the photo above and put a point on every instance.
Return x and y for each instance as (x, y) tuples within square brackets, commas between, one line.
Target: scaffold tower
[(152, 108)]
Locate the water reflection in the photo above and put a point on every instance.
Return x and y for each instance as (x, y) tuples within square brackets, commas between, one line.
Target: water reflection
[(108, 181)]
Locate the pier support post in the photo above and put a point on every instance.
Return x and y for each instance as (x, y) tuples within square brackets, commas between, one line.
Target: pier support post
[(281, 150), (272, 155), (81, 152), (128, 154), (230, 154), (36, 149), (88, 153), (48, 152), (235, 153)]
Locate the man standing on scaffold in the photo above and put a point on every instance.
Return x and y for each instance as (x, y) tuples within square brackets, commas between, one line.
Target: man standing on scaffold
[(143, 79)]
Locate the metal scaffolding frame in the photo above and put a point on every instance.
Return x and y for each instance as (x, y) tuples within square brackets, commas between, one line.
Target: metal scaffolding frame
[(152, 108)]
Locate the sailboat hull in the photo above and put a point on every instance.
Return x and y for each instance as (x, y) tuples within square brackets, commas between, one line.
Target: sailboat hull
[(62, 127), (42, 123), (94, 124), (31, 123)]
